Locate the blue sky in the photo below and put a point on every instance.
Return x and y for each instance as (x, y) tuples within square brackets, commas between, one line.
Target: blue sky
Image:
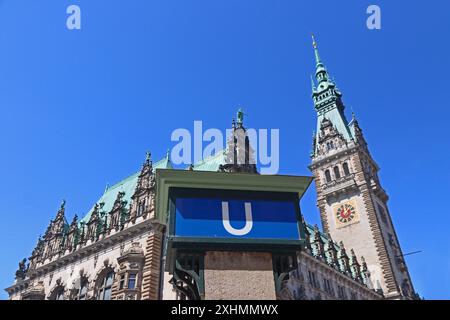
[(78, 109)]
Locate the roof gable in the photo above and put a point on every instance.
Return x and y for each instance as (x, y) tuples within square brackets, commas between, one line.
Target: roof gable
[(127, 185)]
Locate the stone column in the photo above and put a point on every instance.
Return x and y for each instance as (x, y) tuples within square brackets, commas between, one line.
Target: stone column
[(239, 276)]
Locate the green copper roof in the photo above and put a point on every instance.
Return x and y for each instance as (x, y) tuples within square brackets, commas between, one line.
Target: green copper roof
[(128, 185), (327, 100), (211, 163)]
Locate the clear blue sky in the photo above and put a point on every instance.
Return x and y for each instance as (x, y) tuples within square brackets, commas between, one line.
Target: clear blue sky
[(80, 108)]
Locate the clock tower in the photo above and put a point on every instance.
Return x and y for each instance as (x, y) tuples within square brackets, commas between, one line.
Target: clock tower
[(352, 203)]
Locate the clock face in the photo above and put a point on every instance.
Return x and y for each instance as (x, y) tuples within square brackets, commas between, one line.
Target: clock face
[(346, 213)]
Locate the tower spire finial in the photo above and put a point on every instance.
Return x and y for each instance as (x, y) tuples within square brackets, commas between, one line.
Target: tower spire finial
[(314, 43), (316, 51)]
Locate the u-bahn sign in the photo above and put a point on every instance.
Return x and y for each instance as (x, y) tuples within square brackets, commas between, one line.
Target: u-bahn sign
[(204, 210), (247, 216)]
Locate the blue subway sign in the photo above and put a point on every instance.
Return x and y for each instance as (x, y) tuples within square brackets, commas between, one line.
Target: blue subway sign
[(219, 217)]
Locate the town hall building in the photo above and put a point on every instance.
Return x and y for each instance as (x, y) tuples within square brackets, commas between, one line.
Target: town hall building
[(117, 250)]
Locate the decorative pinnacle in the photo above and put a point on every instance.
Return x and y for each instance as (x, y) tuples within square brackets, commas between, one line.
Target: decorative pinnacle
[(240, 117), (148, 156), (63, 204)]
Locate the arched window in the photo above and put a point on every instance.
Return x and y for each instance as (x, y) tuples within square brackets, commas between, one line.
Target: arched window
[(57, 294), (337, 174), (346, 169), (83, 289), (327, 175), (104, 290)]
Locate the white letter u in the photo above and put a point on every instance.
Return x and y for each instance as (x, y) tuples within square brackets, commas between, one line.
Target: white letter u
[(248, 220)]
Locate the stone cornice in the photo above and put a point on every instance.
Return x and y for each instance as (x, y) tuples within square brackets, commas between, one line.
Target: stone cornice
[(341, 185), (320, 160)]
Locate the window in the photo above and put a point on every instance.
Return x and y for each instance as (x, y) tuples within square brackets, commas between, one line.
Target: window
[(353, 296), (341, 292), (328, 288), (346, 169), (141, 208), (83, 289), (328, 175), (313, 280), (122, 281), (104, 292), (330, 145), (337, 174), (132, 281)]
